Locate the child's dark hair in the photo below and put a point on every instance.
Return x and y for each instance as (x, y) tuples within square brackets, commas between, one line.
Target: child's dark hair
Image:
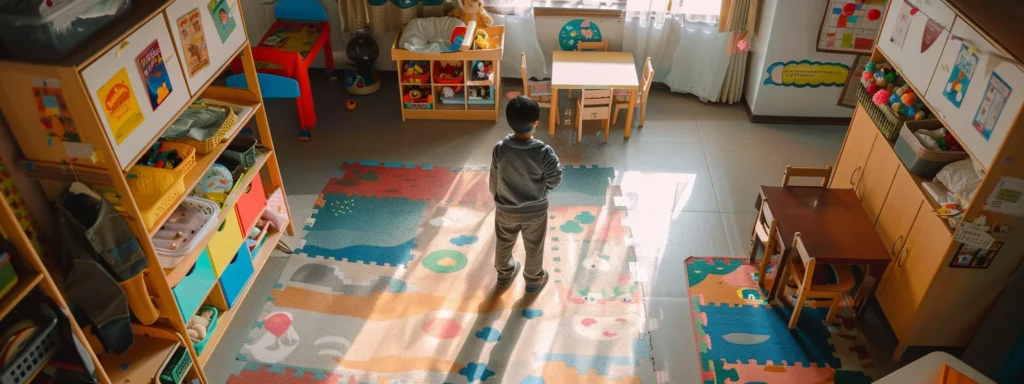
[(522, 112)]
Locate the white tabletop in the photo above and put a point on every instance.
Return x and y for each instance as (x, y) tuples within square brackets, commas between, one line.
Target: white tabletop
[(928, 370), (593, 70)]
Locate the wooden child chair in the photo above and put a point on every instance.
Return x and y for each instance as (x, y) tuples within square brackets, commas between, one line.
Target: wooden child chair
[(823, 173), (764, 232), (830, 281), (592, 46), (594, 105), (622, 95), (539, 91)]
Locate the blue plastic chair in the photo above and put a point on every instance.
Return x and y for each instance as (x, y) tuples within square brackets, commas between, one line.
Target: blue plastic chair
[(272, 87)]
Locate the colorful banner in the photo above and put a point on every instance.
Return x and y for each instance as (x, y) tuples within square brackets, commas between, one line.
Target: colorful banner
[(805, 73)]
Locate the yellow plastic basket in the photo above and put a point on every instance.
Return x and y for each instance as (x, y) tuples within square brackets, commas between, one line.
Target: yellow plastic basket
[(154, 207), (206, 146), (152, 181)]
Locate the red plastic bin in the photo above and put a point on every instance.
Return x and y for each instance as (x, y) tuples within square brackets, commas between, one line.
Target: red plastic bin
[(251, 204)]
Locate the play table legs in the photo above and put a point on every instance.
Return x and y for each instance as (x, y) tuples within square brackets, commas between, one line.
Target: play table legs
[(553, 119), (629, 114)]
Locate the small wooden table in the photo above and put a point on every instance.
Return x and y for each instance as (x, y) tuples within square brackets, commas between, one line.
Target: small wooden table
[(593, 70), (833, 224)]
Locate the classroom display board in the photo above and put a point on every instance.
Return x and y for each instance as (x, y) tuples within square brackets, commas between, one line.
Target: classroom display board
[(850, 26)]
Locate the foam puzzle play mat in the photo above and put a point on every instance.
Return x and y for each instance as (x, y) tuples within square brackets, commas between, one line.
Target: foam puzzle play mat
[(743, 339), (394, 283)]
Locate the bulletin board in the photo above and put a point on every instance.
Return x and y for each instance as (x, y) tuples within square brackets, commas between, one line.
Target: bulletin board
[(850, 26)]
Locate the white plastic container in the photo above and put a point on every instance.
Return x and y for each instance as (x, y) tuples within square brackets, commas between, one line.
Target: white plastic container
[(49, 29), (207, 211)]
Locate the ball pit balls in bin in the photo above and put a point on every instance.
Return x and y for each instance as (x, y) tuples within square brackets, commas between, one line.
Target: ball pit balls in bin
[(350, 104)]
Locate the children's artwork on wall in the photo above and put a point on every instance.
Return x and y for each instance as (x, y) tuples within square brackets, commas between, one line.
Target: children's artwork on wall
[(932, 31), (850, 26), (991, 106), (899, 30), (222, 18), (193, 40), (972, 257), (154, 74), (577, 30), (53, 111), (120, 105), (848, 98), (960, 76), (806, 73)]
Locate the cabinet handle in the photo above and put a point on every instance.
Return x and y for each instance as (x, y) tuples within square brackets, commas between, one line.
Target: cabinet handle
[(903, 259), (892, 248), (853, 175)]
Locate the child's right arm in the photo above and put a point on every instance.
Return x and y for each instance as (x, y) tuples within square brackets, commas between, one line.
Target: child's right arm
[(493, 184)]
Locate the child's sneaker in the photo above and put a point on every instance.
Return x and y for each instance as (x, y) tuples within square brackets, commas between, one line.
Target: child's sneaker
[(532, 288), (505, 282)]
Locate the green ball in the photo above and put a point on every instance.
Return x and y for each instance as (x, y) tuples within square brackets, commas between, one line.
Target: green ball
[(890, 77), (870, 67)]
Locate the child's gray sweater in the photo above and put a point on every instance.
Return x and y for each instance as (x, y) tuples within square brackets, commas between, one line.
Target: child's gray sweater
[(522, 173)]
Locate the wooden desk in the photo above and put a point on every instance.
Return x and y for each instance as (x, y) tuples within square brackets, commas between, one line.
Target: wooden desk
[(833, 224), (593, 70), (928, 370)]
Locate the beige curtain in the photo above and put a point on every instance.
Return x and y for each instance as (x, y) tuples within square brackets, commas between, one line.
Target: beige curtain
[(739, 18)]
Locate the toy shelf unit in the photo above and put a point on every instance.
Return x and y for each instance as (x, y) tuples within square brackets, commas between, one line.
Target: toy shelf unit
[(954, 246), (107, 115), (458, 85)]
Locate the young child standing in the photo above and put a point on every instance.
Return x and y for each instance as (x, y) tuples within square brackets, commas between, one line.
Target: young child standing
[(523, 171)]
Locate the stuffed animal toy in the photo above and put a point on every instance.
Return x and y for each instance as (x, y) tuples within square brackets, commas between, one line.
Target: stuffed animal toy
[(472, 10)]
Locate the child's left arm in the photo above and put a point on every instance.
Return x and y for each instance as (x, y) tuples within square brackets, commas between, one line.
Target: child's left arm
[(552, 169)]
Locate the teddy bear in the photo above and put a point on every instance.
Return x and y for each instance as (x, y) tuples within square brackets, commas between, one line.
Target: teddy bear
[(472, 10)]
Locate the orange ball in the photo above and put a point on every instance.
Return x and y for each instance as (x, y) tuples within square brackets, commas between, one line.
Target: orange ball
[(350, 104)]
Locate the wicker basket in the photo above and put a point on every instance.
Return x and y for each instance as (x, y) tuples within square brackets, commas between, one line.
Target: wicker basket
[(885, 119), (154, 207), (206, 146), (177, 367), (151, 181)]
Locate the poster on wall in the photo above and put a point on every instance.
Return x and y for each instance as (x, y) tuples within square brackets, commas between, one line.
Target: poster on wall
[(850, 26), (577, 30), (991, 106), (848, 98), (960, 76), (53, 111), (154, 74), (806, 73), (222, 18), (120, 105), (973, 257), (193, 41), (1007, 197)]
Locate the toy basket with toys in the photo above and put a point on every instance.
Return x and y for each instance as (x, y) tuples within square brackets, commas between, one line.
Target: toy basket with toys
[(888, 99), (445, 94)]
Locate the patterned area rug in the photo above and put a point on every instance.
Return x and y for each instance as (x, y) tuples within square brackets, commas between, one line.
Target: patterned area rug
[(742, 339), (394, 283)]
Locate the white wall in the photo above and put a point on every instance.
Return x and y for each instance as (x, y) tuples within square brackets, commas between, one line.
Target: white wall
[(788, 30), (259, 16)]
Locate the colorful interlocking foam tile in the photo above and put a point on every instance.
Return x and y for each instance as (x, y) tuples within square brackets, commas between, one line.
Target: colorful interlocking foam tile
[(742, 339), (394, 282)]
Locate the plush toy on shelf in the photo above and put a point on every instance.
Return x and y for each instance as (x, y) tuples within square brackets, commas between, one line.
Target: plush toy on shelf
[(472, 10), (481, 40)]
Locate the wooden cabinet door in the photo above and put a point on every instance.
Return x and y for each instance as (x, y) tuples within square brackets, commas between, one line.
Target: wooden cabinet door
[(910, 274), (899, 211), (858, 143), (878, 174)]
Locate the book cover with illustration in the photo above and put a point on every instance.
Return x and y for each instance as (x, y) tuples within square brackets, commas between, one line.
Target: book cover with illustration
[(222, 18), (154, 74), (193, 41)]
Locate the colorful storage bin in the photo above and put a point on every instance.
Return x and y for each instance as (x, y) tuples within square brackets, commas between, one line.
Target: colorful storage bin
[(237, 275), (192, 289), (177, 367), (225, 243), (251, 204), (146, 180), (201, 345), (153, 208), (920, 160)]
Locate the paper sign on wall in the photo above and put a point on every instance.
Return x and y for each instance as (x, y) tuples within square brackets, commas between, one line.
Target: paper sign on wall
[(120, 105), (806, 73), (1007, 197), (899, 31), (973, 235)]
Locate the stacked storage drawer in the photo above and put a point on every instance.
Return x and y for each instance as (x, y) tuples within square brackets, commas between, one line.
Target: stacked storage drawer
[(191, 291)]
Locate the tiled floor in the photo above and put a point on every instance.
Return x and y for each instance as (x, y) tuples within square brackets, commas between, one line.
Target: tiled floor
[(724, 157)]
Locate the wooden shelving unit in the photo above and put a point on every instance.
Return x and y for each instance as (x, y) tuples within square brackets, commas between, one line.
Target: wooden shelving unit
[(436, 109), (48, 159)]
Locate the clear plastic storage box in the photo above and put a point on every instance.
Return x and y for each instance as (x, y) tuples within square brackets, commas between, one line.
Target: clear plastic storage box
[(49, 29)]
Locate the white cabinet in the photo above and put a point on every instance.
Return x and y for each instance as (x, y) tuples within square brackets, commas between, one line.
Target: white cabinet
[(914, 39), (137, 87), (976, 92), (204, 43)]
